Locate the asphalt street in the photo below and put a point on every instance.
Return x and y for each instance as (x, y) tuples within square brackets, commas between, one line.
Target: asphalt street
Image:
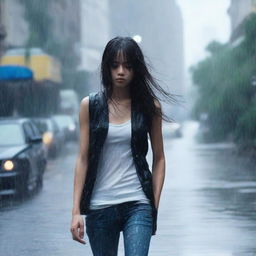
[(207, 208)]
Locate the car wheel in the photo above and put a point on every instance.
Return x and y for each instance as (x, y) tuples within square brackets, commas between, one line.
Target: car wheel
[(53, 152), (39, 183)]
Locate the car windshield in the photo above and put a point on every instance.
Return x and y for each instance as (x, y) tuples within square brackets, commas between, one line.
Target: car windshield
[(50, 125), (11, 134), (43, 125)]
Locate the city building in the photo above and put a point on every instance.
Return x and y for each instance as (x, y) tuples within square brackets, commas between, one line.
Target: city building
[(14, 23), (65, 16), (66, 19), (95, 33), (238, 11), (2, 30), (160, 27)]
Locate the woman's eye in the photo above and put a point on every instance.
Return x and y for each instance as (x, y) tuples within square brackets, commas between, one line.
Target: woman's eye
[(114, 65), (128, 66)]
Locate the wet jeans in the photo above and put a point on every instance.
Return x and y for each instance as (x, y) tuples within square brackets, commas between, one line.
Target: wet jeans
[(103, 227)]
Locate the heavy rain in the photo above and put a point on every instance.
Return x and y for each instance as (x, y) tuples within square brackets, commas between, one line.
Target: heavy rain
[(201, 51)]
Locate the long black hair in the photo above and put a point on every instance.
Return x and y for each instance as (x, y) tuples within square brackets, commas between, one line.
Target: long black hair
[(143, 84)]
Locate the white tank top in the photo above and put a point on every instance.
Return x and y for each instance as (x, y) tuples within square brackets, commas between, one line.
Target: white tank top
[(117, 181)]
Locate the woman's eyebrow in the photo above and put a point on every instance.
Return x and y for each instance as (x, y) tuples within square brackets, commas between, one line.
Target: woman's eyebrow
[(118, 62)]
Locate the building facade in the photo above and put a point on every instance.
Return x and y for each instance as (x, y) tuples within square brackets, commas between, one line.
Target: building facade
[(65, 16), (95, 33), (238, 11), (160, 26), (14, 23), (2, 30), (66, 19)]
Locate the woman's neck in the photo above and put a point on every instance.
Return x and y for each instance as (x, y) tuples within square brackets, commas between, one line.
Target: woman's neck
[(121, 95)]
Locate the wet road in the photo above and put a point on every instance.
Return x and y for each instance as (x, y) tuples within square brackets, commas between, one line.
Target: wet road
[(208, 206)]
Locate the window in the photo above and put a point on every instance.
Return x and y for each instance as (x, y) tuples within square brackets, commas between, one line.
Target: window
[(11, 134), (29, 133)]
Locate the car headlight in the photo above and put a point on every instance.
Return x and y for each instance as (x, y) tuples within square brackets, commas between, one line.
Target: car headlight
[(47, 138), (8, 165)]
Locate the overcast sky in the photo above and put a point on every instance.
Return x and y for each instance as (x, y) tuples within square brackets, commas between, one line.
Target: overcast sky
[(204, 21)]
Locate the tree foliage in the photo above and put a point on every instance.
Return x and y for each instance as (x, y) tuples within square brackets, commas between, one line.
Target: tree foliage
[(224, 85), (41, 35), (40, 24)]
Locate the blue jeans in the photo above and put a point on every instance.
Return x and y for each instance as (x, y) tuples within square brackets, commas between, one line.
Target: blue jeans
[(103, 228)]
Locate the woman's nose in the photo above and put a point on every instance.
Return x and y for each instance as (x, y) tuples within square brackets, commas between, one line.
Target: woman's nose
[(120, 69)]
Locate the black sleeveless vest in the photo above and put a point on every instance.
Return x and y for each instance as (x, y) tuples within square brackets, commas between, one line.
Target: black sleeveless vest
[(99, 122)]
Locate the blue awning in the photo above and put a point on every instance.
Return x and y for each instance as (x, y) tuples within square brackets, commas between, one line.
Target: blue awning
[(11, 72)]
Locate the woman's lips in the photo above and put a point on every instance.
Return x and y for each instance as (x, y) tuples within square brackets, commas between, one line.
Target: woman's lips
[(120, 80)]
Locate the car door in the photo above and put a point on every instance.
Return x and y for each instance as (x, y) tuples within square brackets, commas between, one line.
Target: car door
[(40, 149), (32, 151), (57, 135)]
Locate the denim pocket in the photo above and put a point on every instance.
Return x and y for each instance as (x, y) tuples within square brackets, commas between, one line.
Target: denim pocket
[(144, 206), (94, 217)]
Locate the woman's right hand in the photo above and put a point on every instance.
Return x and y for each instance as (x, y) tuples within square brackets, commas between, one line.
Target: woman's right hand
[(77, 228)]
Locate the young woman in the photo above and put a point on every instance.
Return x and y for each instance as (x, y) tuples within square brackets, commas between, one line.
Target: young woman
[(113, 186)]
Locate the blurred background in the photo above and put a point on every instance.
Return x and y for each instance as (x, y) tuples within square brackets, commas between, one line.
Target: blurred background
[(202, 51)]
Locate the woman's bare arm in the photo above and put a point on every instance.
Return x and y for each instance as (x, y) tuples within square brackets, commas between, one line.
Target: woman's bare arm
[(158, 165), (77, 224)]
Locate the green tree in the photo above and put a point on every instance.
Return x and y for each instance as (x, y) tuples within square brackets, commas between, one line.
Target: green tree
[(224, 87), (41, 35)]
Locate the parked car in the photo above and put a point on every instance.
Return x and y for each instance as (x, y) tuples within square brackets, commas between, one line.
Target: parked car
[(176, 129), (172, 129), (22, 157), (53, 136), (68, 125)]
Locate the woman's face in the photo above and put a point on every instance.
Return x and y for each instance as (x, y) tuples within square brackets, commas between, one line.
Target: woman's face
[(121, 71)]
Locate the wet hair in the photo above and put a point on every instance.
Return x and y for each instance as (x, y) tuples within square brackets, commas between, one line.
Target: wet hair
[(142, 86)]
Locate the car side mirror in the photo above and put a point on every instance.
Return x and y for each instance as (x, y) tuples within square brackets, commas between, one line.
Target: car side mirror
[(35, 139)]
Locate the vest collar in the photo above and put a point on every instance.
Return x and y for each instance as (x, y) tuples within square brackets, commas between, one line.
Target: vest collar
[(134, 115)]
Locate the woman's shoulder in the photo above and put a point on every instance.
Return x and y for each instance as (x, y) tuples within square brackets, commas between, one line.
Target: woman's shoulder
[(84, 105), (93, 103), (157, 103), (96, 96), (92, 96), (85, 101)]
